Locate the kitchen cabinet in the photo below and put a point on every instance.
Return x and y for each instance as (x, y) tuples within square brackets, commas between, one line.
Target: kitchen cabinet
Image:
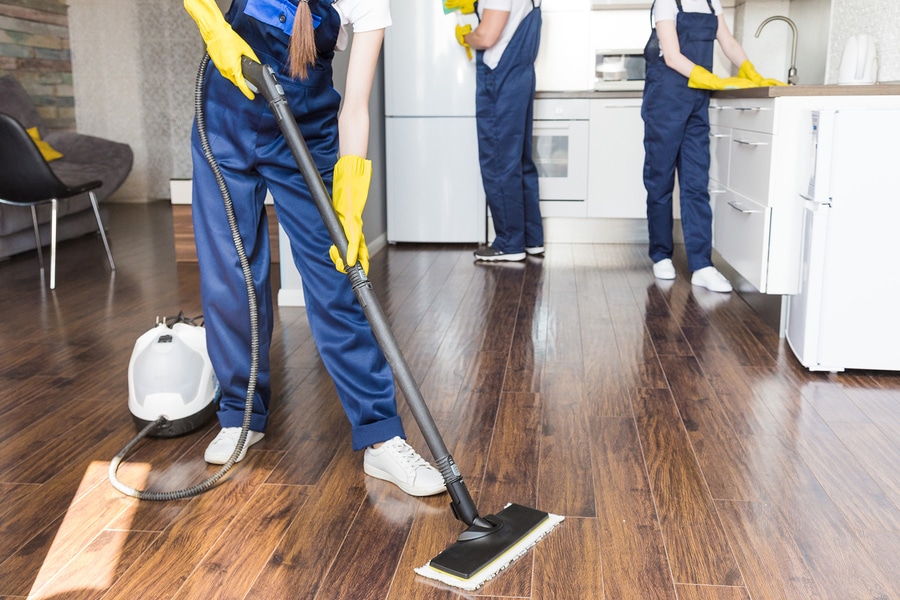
[(616, 151), (743, 194), (758, 142), (588, 147)]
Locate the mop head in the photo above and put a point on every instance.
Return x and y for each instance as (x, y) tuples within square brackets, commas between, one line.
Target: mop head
[(470, 564)]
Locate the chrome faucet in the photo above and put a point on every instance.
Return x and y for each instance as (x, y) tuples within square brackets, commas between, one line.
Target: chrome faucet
[(792, 71)]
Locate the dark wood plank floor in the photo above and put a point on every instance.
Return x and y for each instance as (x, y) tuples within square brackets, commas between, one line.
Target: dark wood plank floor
[(692, 456)]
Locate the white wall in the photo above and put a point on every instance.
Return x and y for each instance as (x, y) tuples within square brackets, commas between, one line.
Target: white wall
[(880, 18), (813, 19), (770, 53), (134, 65)]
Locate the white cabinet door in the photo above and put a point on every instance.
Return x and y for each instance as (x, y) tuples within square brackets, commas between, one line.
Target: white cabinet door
[(426, 200), (741, 235), (616, 182)]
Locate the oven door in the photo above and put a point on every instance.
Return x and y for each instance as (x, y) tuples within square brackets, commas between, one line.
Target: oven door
[(560, 152)]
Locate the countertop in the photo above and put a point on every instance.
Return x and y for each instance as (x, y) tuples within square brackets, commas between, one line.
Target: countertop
[(591, 94), (880, 89)]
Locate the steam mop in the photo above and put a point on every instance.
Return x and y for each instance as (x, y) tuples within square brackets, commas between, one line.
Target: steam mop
[(488, 544)]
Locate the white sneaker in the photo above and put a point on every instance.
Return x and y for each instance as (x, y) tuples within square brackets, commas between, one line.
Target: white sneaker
[(397, 462), (711, 279), (222, 447), (664, 269)]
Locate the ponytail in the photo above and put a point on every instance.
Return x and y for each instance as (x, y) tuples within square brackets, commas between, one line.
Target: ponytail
[(302, 51)]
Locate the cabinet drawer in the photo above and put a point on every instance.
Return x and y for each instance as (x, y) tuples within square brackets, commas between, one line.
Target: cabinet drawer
[(741, 236), (750, 164), (719, 154), (562, 109), (752, 114)]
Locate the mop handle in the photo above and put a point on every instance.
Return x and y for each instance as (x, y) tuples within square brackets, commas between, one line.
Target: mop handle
[(262, 78)]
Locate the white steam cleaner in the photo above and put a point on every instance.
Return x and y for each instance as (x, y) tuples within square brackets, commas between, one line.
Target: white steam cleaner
[(170, 375)]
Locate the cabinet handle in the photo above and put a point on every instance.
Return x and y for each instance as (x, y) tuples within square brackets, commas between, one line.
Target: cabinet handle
[(741, 209), (719, 135), (749, 108), (746, 143), (717, 192)]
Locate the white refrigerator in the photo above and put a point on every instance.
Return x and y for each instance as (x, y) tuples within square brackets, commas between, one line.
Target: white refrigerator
[(846, 316), (434, 190)]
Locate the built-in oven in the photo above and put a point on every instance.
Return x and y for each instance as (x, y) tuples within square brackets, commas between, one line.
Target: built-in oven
[(560, 152), (619, 69)]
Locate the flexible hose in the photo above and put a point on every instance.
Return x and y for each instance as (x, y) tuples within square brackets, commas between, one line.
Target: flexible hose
[(254, 331)]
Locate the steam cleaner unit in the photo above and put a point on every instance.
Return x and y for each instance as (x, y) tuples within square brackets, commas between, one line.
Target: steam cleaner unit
[(170, 374)]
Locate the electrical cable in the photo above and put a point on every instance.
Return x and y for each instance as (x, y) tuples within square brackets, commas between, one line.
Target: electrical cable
[(254, 331)]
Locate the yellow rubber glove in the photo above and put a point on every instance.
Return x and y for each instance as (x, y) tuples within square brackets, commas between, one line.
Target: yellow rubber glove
[(225, 47), (461, 32), (352, 175), (702, 79), (466, 7), (748, 71)]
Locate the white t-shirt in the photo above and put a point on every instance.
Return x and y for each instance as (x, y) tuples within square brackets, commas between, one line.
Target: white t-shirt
[(518, 10), (667, 10), (363, 15)]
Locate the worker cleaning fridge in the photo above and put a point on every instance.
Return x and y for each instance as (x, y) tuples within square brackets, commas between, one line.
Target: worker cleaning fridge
[(434, 191)]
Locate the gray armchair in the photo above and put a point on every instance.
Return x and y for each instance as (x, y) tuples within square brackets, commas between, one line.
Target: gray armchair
[(85, 158)]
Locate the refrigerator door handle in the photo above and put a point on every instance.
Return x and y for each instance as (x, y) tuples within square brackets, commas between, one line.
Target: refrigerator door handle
[(744, 211)]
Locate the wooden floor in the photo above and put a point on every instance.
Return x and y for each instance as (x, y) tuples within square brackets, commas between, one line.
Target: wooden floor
[(692, 456)]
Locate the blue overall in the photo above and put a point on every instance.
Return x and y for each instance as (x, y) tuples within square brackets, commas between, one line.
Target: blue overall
[(676, 136), (253, 156), (504, 110)]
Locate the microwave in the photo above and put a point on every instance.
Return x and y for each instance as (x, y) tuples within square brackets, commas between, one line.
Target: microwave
[(620, 70)]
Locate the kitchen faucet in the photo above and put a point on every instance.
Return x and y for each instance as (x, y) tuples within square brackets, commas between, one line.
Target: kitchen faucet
[(792, 71)]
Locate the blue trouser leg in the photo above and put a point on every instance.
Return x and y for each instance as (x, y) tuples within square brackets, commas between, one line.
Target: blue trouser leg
[(223, 288), (345, 341), (534, 226), (662, 140), (693, 179)]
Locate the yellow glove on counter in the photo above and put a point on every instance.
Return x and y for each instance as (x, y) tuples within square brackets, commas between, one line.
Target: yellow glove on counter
[(461, 32), (466, 7), (748, 71), (352, 175), (225, 47), (702, 79)]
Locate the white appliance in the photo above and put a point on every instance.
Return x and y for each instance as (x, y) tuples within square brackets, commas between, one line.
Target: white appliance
[(620, 70), (560, 151), (845, 316), (859, 62), (434, 190)]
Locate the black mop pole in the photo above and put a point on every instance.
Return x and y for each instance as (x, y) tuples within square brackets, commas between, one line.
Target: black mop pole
[(262, 77)]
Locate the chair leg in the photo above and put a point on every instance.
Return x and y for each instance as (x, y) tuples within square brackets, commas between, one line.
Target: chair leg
[(54, 205), (37, 237), (112, 265)]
